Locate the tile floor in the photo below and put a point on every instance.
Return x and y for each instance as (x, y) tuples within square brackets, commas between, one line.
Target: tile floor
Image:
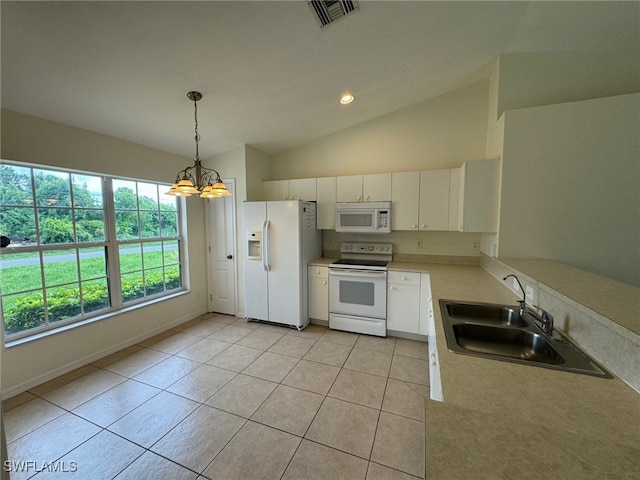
[(220, 398)]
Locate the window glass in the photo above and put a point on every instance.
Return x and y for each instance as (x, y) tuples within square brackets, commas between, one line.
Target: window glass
[(20, 272), (144, 265), (56, 268), (55, 226), (52, 188)]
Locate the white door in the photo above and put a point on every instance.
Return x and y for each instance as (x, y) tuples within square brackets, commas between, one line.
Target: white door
[(222, 253)]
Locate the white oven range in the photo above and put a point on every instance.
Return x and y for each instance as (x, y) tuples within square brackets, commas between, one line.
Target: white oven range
[(358, 288)]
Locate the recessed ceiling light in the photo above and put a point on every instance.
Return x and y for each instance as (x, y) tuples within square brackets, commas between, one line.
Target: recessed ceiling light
[(347, 98)]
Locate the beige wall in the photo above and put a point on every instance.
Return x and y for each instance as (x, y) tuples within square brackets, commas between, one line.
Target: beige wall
[(30, 139), (441, 132), (570, 185), (529, 79)]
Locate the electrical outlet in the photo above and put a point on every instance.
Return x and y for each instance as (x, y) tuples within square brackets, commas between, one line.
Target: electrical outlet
[(531, 294), (475, 245), (419, 242)]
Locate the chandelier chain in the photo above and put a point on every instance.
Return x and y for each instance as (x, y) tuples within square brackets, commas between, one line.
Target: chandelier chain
[(197, 137)]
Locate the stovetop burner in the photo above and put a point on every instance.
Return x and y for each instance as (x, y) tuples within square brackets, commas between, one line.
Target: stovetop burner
[(370, 256)]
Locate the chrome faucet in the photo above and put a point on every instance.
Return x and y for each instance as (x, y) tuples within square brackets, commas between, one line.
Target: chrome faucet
[(523, 302), (546, 321)]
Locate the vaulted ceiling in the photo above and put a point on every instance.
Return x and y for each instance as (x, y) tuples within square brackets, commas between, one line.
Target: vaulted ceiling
[(270, 75)]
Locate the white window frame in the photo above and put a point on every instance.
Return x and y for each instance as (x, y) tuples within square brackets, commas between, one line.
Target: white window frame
[(111, 245)]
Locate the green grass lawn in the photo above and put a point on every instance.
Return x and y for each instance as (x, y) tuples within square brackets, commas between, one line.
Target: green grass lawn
[(27, 277)]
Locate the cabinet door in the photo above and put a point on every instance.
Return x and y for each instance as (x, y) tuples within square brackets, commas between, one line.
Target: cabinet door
[(405, 191), (454, 200), (326, 203), (275, 190), (376, 188), (403, 302), (434, 200), (302, 189), (349, 188), (318, 293)]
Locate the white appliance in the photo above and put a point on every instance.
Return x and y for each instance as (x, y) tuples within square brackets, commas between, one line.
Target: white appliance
[(365, 217), (358, 288), (280, 239)]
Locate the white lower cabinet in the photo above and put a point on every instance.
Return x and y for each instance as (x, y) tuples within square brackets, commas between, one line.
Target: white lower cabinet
[(403, 302), (318, 292)]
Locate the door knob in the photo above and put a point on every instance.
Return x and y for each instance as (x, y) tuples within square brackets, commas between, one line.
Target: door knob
[(229, 257)]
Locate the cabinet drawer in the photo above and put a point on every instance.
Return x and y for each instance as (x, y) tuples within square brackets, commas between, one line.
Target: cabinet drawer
[(320, 272), (404, 278)]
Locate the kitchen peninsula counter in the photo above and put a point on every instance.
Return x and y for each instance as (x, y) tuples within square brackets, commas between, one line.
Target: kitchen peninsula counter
[(503, 420)]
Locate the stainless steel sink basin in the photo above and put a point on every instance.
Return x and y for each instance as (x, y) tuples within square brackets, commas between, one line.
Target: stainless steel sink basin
[(487, 313), (506, 342), (499, 332)]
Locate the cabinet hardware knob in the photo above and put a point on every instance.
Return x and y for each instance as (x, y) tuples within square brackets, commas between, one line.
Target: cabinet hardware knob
[(324, 282)]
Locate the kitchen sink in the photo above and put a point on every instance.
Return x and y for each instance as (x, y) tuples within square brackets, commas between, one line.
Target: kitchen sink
[(487, 313), (506, 342), (499, 332)]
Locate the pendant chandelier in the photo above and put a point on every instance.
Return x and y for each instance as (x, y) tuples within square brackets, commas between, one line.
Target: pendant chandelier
[(198, 180)]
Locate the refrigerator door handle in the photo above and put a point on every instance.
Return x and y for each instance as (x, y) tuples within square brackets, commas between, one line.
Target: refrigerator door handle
[(266, 247)]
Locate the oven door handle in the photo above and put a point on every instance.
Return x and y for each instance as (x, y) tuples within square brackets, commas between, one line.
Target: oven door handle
[(350, 272)]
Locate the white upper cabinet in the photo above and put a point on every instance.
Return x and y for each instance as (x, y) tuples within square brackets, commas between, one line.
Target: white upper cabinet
[(405, 194), (461, 199), (434, 199), (376, 188), (349, 188), (297, 189), (454, 198), (302, 189), (364, 188), (478, 196), (326, 203)]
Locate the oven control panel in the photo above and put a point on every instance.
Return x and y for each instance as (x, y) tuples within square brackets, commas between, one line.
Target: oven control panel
[(371, 248)]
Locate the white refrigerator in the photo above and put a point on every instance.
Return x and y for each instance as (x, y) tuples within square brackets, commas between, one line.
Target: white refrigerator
[(280, 239)]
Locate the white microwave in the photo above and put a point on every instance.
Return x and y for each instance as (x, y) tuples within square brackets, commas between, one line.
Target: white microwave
[(365, 217)]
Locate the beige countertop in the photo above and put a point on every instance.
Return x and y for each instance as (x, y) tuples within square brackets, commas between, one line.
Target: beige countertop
[(322, 261), (502, 420), (614, 300)]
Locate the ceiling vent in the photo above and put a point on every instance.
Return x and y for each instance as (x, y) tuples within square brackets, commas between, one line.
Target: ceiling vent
[(327, 11)]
